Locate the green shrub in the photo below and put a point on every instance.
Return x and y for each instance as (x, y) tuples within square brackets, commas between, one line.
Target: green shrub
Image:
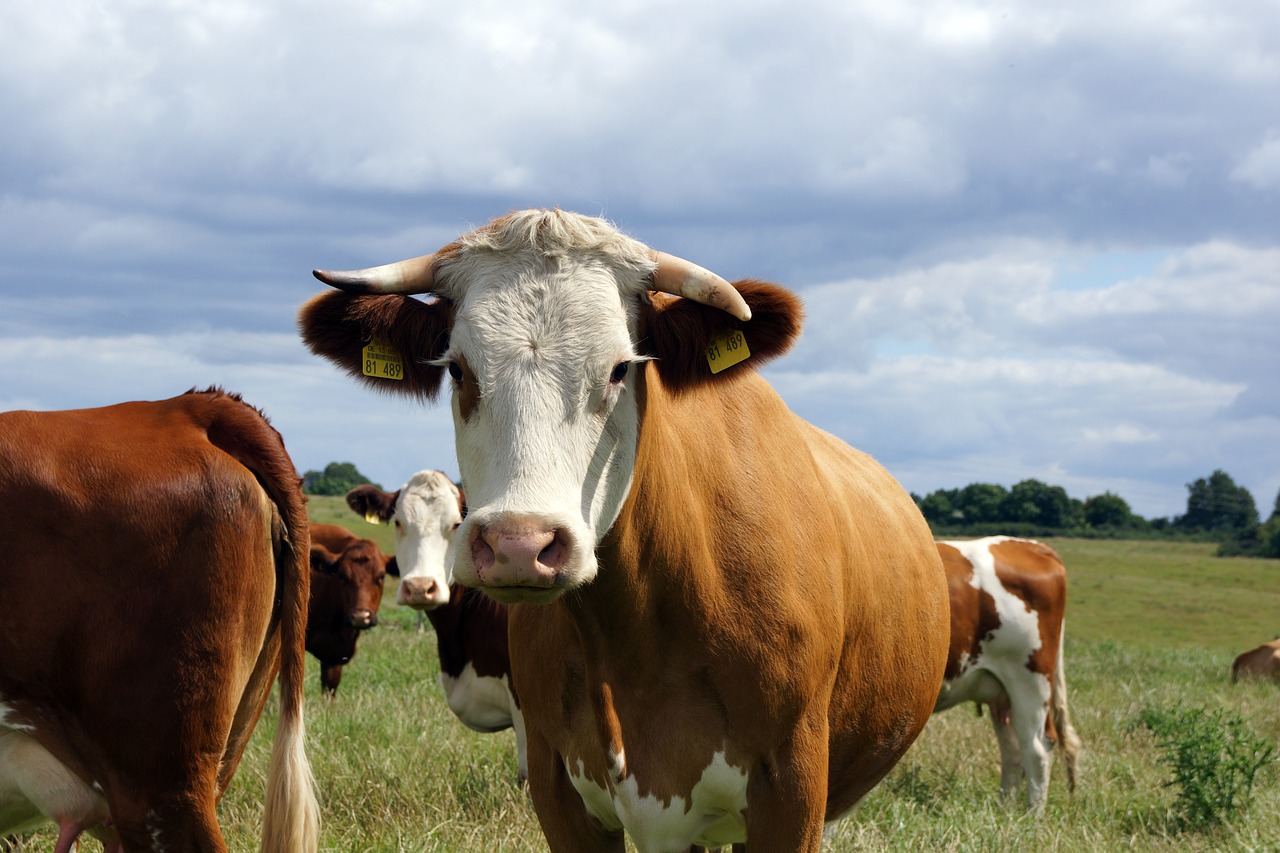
[(1214, 758)]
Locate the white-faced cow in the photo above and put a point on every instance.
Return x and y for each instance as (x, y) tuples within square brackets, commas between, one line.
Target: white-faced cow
[(730, 624), (347, 575), (470, 627), (154, 579), (1261, 662), (1008, 597)]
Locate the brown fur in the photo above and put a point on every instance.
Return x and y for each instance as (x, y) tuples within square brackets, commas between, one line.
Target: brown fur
[(1260, 662), (347, 577), (170, 538)]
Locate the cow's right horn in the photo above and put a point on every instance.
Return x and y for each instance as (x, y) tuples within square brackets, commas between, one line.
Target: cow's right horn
[(416, 275)]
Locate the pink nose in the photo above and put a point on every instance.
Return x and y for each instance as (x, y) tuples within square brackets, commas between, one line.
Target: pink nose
[(422, 593), (519, 552)]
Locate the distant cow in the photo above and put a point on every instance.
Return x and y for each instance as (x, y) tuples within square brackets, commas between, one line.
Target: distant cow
[(347, 575), (1008, 597), (1262, 662), (471, 628), (731, 625), (154, 582)]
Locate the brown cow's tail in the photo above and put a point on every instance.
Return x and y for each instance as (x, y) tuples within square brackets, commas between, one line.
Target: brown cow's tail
[(1068, 740), (291, 815)]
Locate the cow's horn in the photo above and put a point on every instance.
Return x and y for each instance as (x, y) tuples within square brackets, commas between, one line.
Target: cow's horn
[(684, 278), (415, 275)]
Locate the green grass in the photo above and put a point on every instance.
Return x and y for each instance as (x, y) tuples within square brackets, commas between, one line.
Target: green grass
[(1149, 624)]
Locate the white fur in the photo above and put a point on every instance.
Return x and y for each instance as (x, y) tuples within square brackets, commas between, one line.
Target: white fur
[(426, 516), (486, 704), (552, 440), (1001, 667), (713, 815), (35, 787)]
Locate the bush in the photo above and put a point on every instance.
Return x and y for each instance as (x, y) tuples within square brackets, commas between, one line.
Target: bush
[(1214, 759)]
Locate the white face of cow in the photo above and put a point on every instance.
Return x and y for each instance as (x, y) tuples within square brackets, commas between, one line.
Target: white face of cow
[(427, 513), (543, 365)]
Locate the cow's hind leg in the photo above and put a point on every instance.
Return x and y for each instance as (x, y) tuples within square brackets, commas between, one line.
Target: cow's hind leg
[(1011, 769), (1028, 712)]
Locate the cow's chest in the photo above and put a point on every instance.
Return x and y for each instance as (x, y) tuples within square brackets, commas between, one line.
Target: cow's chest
[(711, 812)]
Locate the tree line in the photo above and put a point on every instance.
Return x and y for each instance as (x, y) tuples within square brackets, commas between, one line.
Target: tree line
[(1217, 509)]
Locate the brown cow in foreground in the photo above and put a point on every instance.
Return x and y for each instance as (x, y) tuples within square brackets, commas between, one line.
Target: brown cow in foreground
[(1008, 597), (730, 624), (347, 574), (1262, 662), (154, 581)]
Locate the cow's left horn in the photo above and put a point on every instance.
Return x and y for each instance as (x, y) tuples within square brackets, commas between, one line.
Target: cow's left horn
[(685, 278), (415, 275)]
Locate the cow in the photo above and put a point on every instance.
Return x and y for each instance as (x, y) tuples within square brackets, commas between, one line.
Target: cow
[(470, 627), (347, 575), (1008, 597), (155, 582), (1261, 662), (728, 624)]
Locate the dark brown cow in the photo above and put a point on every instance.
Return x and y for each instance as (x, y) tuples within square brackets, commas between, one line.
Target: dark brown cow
[(731, 624), (154, 581), (347, 575), (1008, 597), (1262, 662), (471, 629)]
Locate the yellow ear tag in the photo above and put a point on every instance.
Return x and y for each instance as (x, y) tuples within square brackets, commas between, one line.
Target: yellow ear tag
[(727, 350), (372, 517), (381, 360)]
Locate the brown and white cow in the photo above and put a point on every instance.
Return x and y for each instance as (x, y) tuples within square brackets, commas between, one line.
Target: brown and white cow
[(470, 628), (154, 581), (1261, 662), (347, 575), (1008, 597), (729, 625)]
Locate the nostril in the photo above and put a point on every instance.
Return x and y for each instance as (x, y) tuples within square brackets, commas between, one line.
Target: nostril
[(555, 554)]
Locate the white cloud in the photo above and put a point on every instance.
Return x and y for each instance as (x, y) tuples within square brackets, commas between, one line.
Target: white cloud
[(1260, 168)]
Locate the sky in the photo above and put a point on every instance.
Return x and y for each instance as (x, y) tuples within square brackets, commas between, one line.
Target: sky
[(1034, 240)]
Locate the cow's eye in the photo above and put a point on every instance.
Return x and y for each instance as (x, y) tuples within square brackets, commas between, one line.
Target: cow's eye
[(455, 370), (619, 372)]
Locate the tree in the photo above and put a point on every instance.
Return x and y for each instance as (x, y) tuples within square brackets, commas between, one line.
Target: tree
[(1034, 502), (1107, 510), (980, 502), (937, 508), (338, 478), (1217, 505)]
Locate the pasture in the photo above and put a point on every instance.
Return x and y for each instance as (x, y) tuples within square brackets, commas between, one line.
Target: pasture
[(1148, 624)]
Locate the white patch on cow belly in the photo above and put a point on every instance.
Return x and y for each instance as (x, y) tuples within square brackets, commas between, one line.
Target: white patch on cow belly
[(8, 721), (482, 703), (714, 814)]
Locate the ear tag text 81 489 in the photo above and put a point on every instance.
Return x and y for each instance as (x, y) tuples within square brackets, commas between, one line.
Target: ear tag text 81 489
[(727, 350), (380, 359)]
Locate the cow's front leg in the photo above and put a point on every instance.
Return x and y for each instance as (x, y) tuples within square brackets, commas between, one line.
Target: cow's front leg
[(564, 819), (787, 792)]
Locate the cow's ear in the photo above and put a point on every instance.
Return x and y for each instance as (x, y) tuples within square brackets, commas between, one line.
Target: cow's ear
[(323, 560), (680, 333), (406, 334), (393, 568), (372, 504)]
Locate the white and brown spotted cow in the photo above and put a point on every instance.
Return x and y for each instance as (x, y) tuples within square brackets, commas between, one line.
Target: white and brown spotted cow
[(728, 624), (1008, 597), (470, 627)]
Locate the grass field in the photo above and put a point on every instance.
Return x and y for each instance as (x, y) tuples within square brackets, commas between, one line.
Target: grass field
[(1149, 624)]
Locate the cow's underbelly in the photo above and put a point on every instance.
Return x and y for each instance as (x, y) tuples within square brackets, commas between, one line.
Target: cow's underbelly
[(712, 815), (35, 787), (483, 703)]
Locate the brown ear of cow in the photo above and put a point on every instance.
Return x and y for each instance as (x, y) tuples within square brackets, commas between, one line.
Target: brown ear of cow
[(338, 326), (323, 560), (680, 330), (372, 504)]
